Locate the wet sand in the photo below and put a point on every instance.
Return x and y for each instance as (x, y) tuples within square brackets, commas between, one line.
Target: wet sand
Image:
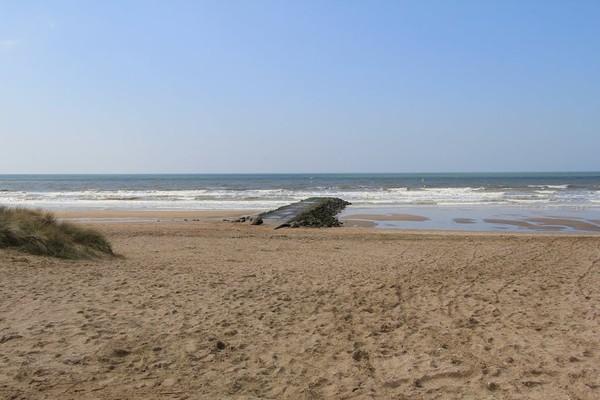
[(474, 219), (388, 217), (99, 215), (207, 309)]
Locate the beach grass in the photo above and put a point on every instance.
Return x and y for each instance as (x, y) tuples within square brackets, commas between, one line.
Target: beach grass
[(38, 232)]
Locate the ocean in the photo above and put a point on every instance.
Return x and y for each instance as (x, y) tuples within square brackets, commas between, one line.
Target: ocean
[(574, 190)]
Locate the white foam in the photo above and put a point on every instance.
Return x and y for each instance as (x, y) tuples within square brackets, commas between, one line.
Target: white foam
[(272, 198)]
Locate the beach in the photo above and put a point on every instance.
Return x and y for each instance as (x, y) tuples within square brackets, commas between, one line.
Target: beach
[(196, 307), (299, 200)]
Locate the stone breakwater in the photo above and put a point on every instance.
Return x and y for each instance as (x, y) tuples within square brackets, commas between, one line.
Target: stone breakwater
[(314, 212), (322, 214)]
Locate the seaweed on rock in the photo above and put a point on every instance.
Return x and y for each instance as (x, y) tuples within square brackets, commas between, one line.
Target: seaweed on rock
[(322, 214)]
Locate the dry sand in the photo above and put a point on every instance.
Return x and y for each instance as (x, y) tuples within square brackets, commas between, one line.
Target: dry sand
[(205, 309)]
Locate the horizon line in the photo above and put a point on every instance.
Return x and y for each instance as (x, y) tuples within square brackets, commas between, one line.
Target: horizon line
[(303, 173)]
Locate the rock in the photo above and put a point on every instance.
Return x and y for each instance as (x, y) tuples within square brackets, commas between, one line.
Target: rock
[(257, 221), (322, 214)]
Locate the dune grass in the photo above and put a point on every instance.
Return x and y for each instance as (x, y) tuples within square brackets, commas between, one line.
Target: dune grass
[(38, 232)]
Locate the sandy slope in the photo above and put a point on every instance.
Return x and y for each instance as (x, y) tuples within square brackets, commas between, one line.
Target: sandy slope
[(219, 310)]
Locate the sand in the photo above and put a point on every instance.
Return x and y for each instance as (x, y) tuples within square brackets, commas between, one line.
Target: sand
[(216, 310)]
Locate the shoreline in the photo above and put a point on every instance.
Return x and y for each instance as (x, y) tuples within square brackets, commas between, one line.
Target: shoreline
[(100, 215), (494, 219), (429, 219)]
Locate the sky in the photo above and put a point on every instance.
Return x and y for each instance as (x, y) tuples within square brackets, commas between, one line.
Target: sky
[(299, 86)]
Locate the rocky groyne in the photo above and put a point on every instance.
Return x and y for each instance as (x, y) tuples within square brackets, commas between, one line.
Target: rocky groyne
[(322, 214), (315, 212)]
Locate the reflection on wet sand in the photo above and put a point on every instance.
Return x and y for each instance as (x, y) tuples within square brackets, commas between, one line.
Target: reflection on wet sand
[(389, 217), (549, 223), (474, 220), (464, 220)]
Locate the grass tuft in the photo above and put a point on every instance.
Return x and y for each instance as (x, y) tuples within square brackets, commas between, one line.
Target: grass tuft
[(38, 232)]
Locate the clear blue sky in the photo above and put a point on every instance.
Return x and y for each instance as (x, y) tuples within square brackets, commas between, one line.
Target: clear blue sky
[(299, 86)]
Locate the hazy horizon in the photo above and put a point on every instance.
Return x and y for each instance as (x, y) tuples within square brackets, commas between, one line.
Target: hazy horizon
[(321, 173), (299, 87)]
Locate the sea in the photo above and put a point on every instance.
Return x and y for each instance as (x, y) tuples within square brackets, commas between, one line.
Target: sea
[(556, 192), (267, 191)]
